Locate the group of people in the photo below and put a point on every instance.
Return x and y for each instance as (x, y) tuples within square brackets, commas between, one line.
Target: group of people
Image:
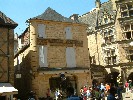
[(100, 92), (128, 85)]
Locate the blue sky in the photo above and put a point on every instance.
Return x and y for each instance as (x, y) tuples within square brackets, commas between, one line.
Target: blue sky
[(21, 10)]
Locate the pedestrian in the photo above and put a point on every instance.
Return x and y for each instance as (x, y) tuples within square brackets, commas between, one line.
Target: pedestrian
[(126, 86), (70, 94), (130, 84), (57, 93), (107, 86), (81, 92), (102, 87), (111, 95)]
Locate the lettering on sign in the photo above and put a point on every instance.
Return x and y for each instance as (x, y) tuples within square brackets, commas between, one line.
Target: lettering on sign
[(59, 42)]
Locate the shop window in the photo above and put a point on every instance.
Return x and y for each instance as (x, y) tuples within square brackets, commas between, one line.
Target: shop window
[(128, 35)]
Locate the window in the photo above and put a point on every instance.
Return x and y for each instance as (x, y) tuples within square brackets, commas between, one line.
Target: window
[(110, 57), (106, 20), (70, 57), (110, 32), (127, 28), (111, 39), (130, 6), (114, 60), (68, 33), (41, 31), (123, 7), (105, 34), (108, 36), (128, 35), (132, 27), (124, 14), (43, 56), (131, 13)]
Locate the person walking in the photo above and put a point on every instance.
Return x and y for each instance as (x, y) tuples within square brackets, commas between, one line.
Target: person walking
[(111, 95), (127, 86)]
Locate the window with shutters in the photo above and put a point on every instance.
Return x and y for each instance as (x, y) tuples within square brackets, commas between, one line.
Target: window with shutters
[(70, 57), (68, 33), (43, 56), (41, 31)]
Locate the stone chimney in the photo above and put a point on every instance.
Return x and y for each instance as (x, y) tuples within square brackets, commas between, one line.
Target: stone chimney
[(74, 17), (98, 3)]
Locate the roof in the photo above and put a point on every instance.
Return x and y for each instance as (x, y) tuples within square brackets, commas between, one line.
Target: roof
[(52, 15), (95, 19), (90, 19), (6, 21), (7, 88)]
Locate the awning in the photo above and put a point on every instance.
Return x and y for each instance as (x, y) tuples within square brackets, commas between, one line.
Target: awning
[(7, 88)]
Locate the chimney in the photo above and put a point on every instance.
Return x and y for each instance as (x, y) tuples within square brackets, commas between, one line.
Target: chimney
[(74, 17), (98, 3)]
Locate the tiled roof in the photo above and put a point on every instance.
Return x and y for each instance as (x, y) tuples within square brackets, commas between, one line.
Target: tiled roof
[(90, 19), (95, 19), (6, 21), (51, 14)]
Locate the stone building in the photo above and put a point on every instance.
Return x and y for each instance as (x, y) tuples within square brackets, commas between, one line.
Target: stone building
[(110, 39), (52, 54), (7, 27)]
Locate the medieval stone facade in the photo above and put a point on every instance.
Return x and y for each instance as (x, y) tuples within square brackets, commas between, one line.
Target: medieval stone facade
[(52, 54), (7, 27), (110, 39)]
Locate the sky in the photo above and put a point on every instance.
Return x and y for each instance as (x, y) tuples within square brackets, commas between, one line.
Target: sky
[(21, 10)]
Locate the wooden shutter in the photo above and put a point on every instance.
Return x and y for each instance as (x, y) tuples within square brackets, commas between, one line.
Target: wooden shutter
[(43, 56), (41, 31), (70, 57), (68, 33)]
